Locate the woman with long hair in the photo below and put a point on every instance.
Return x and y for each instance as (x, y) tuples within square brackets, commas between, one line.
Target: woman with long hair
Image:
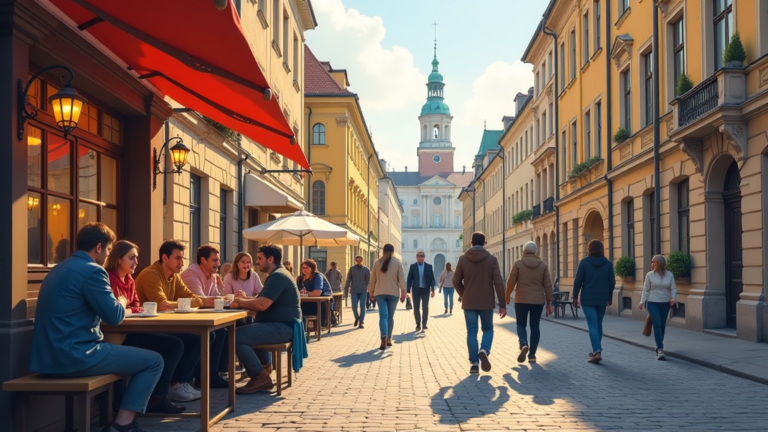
[(446, 286), (314, 284), (120, 265), (241, 280), (593, 292), (386, 286), (659, 295), (288, 266)]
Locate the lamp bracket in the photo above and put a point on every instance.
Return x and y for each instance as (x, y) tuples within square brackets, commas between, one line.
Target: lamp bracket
[(156, 156), (26, 110)]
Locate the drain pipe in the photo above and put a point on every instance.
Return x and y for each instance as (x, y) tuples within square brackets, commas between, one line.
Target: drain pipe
[(609, 124), (547, 31), (308, 202), (241, 194), (656, 131)]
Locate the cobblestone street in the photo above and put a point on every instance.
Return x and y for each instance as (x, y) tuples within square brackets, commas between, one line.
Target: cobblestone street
[(423, 384)]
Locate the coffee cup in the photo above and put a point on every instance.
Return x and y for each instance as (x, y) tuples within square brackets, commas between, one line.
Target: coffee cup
[(219, 304), (230, 298), (185, 304), (150, 308)]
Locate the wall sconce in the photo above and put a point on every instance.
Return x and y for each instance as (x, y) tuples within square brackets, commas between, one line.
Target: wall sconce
[(67, 104), (55, 208), (179, 154), (32, 203), (81, 213)]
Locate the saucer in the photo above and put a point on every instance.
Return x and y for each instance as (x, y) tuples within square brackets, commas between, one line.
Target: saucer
[(191, 310)]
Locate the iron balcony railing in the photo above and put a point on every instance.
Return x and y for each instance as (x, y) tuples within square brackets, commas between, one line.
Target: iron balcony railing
[(698, 101), (536, 211), (549, 205)]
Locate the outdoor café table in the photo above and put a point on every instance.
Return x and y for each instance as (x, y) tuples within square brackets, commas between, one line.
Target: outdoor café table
[(202, 322), (318, 300)]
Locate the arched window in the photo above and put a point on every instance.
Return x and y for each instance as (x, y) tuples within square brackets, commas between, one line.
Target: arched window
[(424, 133), (318, 197), (436, 132), (318, 134)]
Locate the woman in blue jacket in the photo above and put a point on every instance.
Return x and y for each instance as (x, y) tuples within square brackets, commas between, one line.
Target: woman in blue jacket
[(593, 292), (314, 284)]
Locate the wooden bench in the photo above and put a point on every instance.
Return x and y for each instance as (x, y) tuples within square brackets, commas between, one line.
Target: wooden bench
[(277, 350), (79, 389)]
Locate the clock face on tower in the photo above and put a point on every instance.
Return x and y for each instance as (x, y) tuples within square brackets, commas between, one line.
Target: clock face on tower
[(436, 158)]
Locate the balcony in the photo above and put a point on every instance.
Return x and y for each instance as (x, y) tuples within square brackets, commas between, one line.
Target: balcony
[(699, 101), (549, 205), (536, 211)]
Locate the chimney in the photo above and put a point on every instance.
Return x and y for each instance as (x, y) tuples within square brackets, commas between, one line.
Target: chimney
[(464, 169), (406, 169), (383, 164)]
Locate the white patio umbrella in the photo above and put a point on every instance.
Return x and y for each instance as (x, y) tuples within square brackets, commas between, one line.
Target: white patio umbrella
[(302, 229)]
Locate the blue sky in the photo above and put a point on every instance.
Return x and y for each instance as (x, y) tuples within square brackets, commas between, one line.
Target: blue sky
[(386, 47)]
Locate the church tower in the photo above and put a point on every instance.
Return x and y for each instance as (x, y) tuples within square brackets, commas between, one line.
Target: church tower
[(435, 149)]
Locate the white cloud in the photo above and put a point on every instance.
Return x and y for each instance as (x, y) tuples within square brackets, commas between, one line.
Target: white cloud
[(493, 94)]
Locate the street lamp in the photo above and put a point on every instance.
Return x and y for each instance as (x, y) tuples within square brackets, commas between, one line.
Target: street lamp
[(67, 104), (179, 154)]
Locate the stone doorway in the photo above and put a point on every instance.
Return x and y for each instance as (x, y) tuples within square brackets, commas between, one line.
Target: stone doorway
[(734, 264)]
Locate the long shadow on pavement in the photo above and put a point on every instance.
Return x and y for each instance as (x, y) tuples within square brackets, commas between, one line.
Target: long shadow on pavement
[(354, 359), (472, 397), (532, 373)]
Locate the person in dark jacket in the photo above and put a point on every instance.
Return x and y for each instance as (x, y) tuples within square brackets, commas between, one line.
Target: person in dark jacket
[(358, 278), (593, 292), (421, 280)]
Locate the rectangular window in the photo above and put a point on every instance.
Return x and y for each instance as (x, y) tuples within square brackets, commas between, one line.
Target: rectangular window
[(416, 220), (587, 136), (551, 120), (630, 243), (563, 160), (683, 216), (263, 7), (565, 250), (723, 23), (585, 37), (648, 88), (626, 82), (575, 236), (598, 130), (415, 244), (195, 185), (574, 144), (275, 22), (652, 220), (596, 13), (562, 67), (678, 43), (537, 87), (573, 54), (623, 6), (223, 224), (296, 77)]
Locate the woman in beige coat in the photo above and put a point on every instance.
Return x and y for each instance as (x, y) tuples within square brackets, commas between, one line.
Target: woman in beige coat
[(530, 281), (387, 284)]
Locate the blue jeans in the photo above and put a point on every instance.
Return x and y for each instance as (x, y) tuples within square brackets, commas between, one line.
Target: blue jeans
[(448, 295), (486, 320), (595, 316), (659, 312), (358, 300), (257, 334), (170, 349), (387, 306), (144, 367), (522, 310)]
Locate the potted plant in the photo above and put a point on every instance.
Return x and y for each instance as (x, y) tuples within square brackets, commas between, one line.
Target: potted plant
[(625, 268), (679, 263), (620, 136), (734, 54), (684, 84)]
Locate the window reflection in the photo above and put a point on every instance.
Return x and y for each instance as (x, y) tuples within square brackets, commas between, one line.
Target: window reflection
[(88, 168), (87, 213), (34, 150), (35, 228), (59, 166), (59, 228)]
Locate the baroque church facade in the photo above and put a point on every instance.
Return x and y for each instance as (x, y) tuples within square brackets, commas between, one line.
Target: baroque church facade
[(432, 214)]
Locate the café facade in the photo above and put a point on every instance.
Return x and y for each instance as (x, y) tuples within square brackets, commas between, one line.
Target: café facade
[(171, 140)]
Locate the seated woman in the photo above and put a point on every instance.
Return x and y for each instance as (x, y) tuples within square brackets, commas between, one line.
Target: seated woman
[(241, 281), (120, 265), (314, 284)]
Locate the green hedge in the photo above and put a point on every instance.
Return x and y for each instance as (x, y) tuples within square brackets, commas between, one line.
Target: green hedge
[(580, 168), (625, 266), (522, 216), (679, 263)]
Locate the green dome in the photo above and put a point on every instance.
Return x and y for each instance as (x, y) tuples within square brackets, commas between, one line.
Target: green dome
[(435, 77), (435, 107)]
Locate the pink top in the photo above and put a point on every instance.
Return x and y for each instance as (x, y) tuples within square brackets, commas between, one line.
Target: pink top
[(198, 283), (251, 286)]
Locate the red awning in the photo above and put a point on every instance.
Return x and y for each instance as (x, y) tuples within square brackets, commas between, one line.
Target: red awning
[(195, 54)]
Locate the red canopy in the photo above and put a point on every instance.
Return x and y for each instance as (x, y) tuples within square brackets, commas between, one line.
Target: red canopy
[(195, 54)]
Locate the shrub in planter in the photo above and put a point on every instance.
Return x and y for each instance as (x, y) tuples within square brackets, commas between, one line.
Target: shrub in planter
[(734, 53), (580, 168), (625, 267), (522, 216), (620, 136), (679, 263), (684, 84)]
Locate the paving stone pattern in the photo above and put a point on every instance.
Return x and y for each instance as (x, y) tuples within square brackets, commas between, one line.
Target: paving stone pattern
[(422, 384)]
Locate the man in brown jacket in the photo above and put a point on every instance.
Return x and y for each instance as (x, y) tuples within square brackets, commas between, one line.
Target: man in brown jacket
[(478, 281)]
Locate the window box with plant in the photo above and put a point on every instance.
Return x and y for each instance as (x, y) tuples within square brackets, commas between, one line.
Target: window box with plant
[(524, 215), (625, 268), (620, 136), (583, 167), (679, 263), (734, 55), (684, 85)]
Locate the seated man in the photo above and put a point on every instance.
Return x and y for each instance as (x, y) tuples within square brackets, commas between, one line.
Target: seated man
[(67, 341), (278, 307), (204, 281), (161, 283)]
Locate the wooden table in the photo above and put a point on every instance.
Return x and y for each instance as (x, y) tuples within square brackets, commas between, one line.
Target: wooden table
[(202, 323), (318, 300)]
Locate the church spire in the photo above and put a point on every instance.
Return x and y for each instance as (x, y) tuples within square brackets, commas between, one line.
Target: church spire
[(435, 85)]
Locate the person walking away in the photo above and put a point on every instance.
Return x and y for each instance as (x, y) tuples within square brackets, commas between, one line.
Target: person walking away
[(529, 279), (120, 265), (358, 278), (446, 287), (479, 284), (421, 281), (386, 285), (593, 292), (659, 295), (334, 277), (74, 298)]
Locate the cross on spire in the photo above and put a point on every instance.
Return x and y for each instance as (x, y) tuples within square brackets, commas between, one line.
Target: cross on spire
[(435, 24)]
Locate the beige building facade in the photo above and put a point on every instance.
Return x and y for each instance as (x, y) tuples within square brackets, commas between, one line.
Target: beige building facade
[(390, 214)]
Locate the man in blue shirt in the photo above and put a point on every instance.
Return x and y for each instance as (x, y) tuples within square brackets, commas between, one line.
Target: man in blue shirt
[(67, 342), (421, 280)]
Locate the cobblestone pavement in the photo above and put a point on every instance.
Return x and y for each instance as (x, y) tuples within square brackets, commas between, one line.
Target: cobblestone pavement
[(422, 384)]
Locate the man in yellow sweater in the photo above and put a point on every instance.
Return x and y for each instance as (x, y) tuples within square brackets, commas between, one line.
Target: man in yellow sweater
[(161, 283)]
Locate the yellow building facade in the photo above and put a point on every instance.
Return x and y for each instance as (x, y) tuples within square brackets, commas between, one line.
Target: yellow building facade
[(344, 188)]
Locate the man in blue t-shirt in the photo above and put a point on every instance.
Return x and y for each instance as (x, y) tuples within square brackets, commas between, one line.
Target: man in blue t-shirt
[(278, 305)]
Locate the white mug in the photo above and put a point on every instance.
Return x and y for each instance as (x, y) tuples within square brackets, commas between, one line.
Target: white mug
[(219, 304), (230, 297), (150, 308), (185, 304)]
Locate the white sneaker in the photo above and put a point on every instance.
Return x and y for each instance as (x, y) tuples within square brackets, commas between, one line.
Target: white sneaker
[(191, 390), (179, 393)]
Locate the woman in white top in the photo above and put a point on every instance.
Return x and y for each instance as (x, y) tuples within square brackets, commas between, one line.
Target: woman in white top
[(659, 295), (446, 286), (241, 280)]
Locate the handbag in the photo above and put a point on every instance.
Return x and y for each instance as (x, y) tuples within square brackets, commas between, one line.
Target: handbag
[(648, 327), (408, 303)]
